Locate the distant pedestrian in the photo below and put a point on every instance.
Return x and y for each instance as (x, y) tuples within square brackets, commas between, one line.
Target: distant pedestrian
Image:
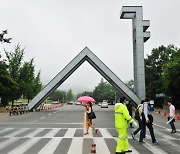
[(171, 116), (147, 120), (139, 119)]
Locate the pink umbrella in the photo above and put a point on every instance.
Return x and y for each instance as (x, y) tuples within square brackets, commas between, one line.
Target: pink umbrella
[(85, 99)]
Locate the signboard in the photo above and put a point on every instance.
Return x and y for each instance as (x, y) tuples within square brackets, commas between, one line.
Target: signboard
[(160, 95)]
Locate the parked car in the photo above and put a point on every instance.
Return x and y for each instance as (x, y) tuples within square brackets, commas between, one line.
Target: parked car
[(99, 104), (70, 103), (78, 103), (104, 105)]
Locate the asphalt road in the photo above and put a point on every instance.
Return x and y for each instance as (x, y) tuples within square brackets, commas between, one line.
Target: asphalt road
[(60, 131)]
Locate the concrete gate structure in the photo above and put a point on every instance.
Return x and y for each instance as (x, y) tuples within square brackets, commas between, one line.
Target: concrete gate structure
[(139, 37)]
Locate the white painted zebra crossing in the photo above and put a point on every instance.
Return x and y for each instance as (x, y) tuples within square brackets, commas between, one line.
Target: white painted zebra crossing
[(73, 140)]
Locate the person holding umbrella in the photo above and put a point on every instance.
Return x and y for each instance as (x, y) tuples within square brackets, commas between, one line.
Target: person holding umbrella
[(88, 110)]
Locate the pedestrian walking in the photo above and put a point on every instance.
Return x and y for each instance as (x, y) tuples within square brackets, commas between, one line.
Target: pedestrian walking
[(147, 120), (129, 107), (89, 116), (138, 117), (122, 118), (171, 117)]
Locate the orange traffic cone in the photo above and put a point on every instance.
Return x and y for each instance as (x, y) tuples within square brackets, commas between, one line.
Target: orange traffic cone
[(164, 112), (177, 116)]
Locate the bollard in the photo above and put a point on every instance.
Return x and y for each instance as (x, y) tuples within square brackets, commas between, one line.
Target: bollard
[(93, 148)]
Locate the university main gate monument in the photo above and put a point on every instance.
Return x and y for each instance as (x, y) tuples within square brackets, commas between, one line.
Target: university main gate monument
[(140, 35)]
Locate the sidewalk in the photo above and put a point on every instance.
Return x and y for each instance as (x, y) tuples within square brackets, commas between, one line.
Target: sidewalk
[(3, 113)]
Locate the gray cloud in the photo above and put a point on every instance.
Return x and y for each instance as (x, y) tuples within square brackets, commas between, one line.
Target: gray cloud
[(55, 31)]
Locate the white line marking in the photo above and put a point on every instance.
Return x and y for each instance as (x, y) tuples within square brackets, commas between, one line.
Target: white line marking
[(105, 133), (51, 146), (101, 147), (43, 117), (70, 133), (154, 149), (24, 146), (76, 146)]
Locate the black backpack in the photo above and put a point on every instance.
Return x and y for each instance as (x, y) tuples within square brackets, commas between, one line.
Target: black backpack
[(136, 116)]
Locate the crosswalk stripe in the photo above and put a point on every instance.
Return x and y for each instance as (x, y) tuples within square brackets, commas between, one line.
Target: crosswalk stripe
[(35, 132), (165, 136), (70, 133), (51, 146), (52, 133), (130, 147), (16, 132), (75, 139), (133, 149), (154, 149), (25, 146), (101, 147), (76, 146), (173, 144), (5, 130), (105, 133), (7, 142), (90, 135)]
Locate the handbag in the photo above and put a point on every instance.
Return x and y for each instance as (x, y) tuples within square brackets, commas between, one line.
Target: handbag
[(91, 115)]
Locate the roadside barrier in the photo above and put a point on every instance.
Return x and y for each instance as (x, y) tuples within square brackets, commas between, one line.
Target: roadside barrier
[(93, 148)]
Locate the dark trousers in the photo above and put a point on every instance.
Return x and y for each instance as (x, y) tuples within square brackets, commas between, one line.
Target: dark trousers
[(172, 125), (139, 128), (151, 130)]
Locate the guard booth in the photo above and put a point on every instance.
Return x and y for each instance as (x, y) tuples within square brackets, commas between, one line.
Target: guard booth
[(151, 105)]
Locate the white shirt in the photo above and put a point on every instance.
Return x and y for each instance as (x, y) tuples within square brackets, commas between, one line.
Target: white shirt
[(172, 111), (146, 110)]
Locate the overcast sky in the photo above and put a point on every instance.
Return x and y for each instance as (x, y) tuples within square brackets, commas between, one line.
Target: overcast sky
[(55, 31)]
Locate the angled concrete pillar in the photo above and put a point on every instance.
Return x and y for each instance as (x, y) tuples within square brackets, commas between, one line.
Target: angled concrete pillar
[(140, 35), (85, 55)]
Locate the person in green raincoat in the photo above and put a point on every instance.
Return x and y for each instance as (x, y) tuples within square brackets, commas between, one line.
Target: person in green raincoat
[(122, 118)]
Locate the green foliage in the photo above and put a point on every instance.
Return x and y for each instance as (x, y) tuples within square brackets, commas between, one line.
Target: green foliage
[(130, 85), (58, 95), (14, 64), (104, 91), (69, 95), (18, 78), (162, 73), (154, 69), (171, 77), (30, 85)]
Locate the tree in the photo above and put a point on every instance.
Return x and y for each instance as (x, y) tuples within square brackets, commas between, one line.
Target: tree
[(2, 39), (171, 78), (58, 95), (69, 95), (6, 82), (14, 64), (37, 85), (130, 85), (154, 69), (30, 85), (104, 91)]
